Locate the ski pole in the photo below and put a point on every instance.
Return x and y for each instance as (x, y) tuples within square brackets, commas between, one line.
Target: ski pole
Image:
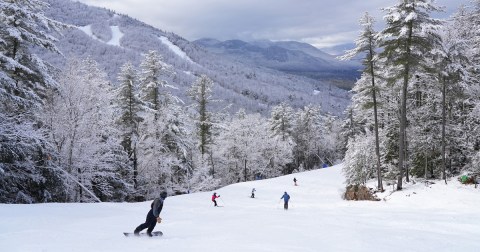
[(222, 201)]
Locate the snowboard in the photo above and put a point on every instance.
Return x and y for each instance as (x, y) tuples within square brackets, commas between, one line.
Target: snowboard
[(156, 233)]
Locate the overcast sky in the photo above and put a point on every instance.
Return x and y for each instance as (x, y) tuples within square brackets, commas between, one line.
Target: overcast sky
[(322, 23)]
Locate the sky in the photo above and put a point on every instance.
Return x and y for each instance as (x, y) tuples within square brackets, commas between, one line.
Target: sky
[(322, 23)]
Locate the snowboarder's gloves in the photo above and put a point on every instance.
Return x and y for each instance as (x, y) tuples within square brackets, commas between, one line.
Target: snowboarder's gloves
[(159, 220)]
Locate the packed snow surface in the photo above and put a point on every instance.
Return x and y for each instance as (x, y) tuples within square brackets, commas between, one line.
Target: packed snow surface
[(175, 49), (420, 218), (116, 34)]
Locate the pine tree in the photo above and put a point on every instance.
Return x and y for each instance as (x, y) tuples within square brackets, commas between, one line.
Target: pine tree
[(129, 106), (407, 38), (307, 133), (157, 157), (367, 43), (29, 171), (201, 94), (281, 121), (469, 24), (450, 61)]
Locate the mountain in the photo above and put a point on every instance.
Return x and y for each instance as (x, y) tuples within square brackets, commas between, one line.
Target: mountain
[(113, 39), (338, 50), (439, 217), (287, 56)]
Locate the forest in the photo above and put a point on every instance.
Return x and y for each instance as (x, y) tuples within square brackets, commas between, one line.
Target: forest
[(71, 134), (415, 111)]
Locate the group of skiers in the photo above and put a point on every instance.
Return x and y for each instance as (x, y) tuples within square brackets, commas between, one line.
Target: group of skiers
[(153, 216)]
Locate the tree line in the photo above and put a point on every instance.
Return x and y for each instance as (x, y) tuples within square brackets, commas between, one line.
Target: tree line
[(72, 135), (415, 110)]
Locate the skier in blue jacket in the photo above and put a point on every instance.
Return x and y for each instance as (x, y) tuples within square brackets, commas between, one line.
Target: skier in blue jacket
[(285, 198), (153, 215)]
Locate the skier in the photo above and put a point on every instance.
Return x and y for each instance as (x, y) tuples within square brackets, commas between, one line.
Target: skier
[(285, 198), (295, 181), (253, 193), (214, 196), (153, 215)]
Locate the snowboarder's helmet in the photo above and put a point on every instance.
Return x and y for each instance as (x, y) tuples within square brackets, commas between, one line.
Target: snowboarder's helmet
[(163, 195)]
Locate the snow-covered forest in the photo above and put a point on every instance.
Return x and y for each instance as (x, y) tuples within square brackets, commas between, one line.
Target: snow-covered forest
[(415, 111), (93, 120), (72, 134)]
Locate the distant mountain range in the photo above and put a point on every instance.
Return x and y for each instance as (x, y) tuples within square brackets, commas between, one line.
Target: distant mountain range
[(113, 39), (287, 56)]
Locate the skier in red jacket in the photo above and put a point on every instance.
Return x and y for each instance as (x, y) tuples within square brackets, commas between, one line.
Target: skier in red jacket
[(214, 196)]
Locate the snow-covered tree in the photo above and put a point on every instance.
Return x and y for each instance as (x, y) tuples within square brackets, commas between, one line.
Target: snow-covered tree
[(81, 123), (367, 43), (282, 121), (408, 37), (247, 150), (201, 94), (360, 156), (24, 81), (129, 107), (163, 139), (307, 136), (468, 22)]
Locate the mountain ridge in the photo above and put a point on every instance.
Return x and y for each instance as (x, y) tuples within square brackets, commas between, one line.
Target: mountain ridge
[(113, 39), (291, 57)]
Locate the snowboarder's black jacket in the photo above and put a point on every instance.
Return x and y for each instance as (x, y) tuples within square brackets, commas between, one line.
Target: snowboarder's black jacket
[(157, 206)]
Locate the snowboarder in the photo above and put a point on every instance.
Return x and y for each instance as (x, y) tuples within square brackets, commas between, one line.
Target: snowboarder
[(285, 198), (253, 193), (295, 181), (214, 196), (153, 215)]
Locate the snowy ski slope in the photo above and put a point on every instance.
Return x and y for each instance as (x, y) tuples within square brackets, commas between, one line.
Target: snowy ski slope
[(436, 218)]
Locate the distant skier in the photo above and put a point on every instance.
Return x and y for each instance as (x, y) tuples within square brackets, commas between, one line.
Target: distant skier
[(253, 193), (153, 215), (295, 181), (214, 196), (285, 198)]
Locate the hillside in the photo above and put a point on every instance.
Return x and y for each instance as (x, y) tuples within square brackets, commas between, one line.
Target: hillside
[(435, 218), (112, 39), (287, 56)]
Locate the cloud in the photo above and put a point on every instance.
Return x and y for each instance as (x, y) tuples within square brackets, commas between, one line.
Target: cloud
[(320, 22)]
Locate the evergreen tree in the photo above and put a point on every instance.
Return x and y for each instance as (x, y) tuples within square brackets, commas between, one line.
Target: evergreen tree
[(367, 43), (129, 106), (282, 121), (158, 157), (408, 37), (201, 94), (307, 135), (469, 23), (29, 171)]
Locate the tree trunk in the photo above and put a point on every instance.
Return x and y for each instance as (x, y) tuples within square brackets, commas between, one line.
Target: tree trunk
[(403, 111), (245, 171), (213, 166), (377, 142), (135, 168), (444, 119)]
